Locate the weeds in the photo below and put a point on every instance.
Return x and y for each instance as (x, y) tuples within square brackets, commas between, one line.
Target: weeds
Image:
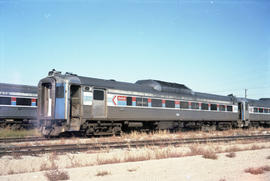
[(190, 134), (53, 156), (254, 171), (63, 141), (8, 133), (16, 156), (103, 173), (102, 161), (55, 175), (136, 158), (11, 172), (231, 155), (74, 162), (195, 150), (266, 168), (44, 167), (132, 169), (210, 155), (259, 170), (52, 165), (233, 149), (141, 154), (256, 147)]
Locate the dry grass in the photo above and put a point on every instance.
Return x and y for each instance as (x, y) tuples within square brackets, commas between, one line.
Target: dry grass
[(231, 132), (163, 134), (53, 156), (9, 133), (256, 147), (44, 167), (132, 169), (231, 155), (107, 156), (257, 171), (107, 160), (55, 175), (266, 168), (74, 163), (210, 155), (151, 153), (62, 141), (135, 157), (103, 173), (206, 153), (195, 150), (16, 156), (51, 165), (237, 148), (233, 149), (254, 171), (170, 152), (11, 172)]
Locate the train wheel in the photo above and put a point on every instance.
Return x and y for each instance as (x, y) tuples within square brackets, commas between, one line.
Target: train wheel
[(117, 130)]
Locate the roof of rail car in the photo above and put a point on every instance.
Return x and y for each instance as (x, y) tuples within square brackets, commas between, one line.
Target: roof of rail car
[(112, 84), (17, 88)]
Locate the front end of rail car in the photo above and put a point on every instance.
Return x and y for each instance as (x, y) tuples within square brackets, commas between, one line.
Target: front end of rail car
[(53, 109)]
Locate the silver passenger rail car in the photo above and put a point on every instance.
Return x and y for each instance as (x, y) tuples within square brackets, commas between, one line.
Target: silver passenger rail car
[(69, 103)]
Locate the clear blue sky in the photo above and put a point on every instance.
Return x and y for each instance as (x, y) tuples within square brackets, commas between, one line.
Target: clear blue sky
[(213, 46)]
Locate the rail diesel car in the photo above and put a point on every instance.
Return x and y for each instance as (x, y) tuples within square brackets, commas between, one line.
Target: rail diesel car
[(90, 106), (18, 106)]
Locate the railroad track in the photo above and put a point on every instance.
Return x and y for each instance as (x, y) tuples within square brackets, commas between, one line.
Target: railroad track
[(24, 139), (33, 150)]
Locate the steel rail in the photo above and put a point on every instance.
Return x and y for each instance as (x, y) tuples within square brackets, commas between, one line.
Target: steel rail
[(39, 149), (22, 139), (37, 138)]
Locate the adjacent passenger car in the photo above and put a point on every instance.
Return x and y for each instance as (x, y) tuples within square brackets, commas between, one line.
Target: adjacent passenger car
[(18, 106)]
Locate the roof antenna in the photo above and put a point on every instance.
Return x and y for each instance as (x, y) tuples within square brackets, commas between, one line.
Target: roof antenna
[(53, 72)]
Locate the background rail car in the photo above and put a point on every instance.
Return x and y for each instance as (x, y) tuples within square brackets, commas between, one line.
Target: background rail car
[(92, 106), (18, 106)]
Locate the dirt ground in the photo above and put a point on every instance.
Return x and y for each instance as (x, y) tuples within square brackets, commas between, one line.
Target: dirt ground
[(191, 168)]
